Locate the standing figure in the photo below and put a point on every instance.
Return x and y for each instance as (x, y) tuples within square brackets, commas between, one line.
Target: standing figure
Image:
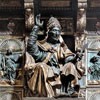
[(8, 66)]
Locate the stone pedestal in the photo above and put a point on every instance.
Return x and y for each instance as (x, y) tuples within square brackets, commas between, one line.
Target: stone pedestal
[(11, 93)]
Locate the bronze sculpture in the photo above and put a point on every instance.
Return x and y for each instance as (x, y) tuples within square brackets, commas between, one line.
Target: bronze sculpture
[(52, 63)]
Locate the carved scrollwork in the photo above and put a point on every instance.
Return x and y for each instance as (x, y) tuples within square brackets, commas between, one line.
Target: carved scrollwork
[(29, 14), (79, 41), (29, 19)]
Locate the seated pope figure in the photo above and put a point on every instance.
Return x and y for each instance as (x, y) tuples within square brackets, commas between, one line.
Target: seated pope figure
[(50, 62)]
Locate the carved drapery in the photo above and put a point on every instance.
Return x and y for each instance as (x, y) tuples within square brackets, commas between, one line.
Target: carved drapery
[(29, 13), (81, 23)]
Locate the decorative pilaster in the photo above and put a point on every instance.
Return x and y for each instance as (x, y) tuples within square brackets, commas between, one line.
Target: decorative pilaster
[(81, 24), (29, 13)]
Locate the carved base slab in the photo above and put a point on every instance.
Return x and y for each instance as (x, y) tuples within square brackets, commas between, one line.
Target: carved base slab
[(41, 98)]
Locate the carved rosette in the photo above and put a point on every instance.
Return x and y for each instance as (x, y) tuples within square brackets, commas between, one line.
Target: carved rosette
[(81, 23), (29, 13)]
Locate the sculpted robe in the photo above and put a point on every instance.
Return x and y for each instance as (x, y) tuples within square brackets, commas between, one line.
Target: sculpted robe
[(48, 62)]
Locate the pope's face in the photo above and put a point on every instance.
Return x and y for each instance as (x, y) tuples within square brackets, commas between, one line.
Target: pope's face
[(54, 33)]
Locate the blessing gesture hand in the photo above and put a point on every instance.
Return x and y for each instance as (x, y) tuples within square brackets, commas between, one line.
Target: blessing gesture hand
[(38, 22)]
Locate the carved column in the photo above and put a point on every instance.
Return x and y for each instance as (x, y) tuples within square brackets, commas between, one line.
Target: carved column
[(29, 13), (81, 24)]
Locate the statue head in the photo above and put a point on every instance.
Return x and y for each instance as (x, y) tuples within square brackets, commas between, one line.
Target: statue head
[(9, 52), (53, 29)]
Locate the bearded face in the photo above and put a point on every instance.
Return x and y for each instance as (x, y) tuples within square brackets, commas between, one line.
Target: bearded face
[(54, 34)]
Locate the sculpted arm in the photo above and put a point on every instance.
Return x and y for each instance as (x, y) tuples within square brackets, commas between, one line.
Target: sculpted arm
[(32, 47)]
